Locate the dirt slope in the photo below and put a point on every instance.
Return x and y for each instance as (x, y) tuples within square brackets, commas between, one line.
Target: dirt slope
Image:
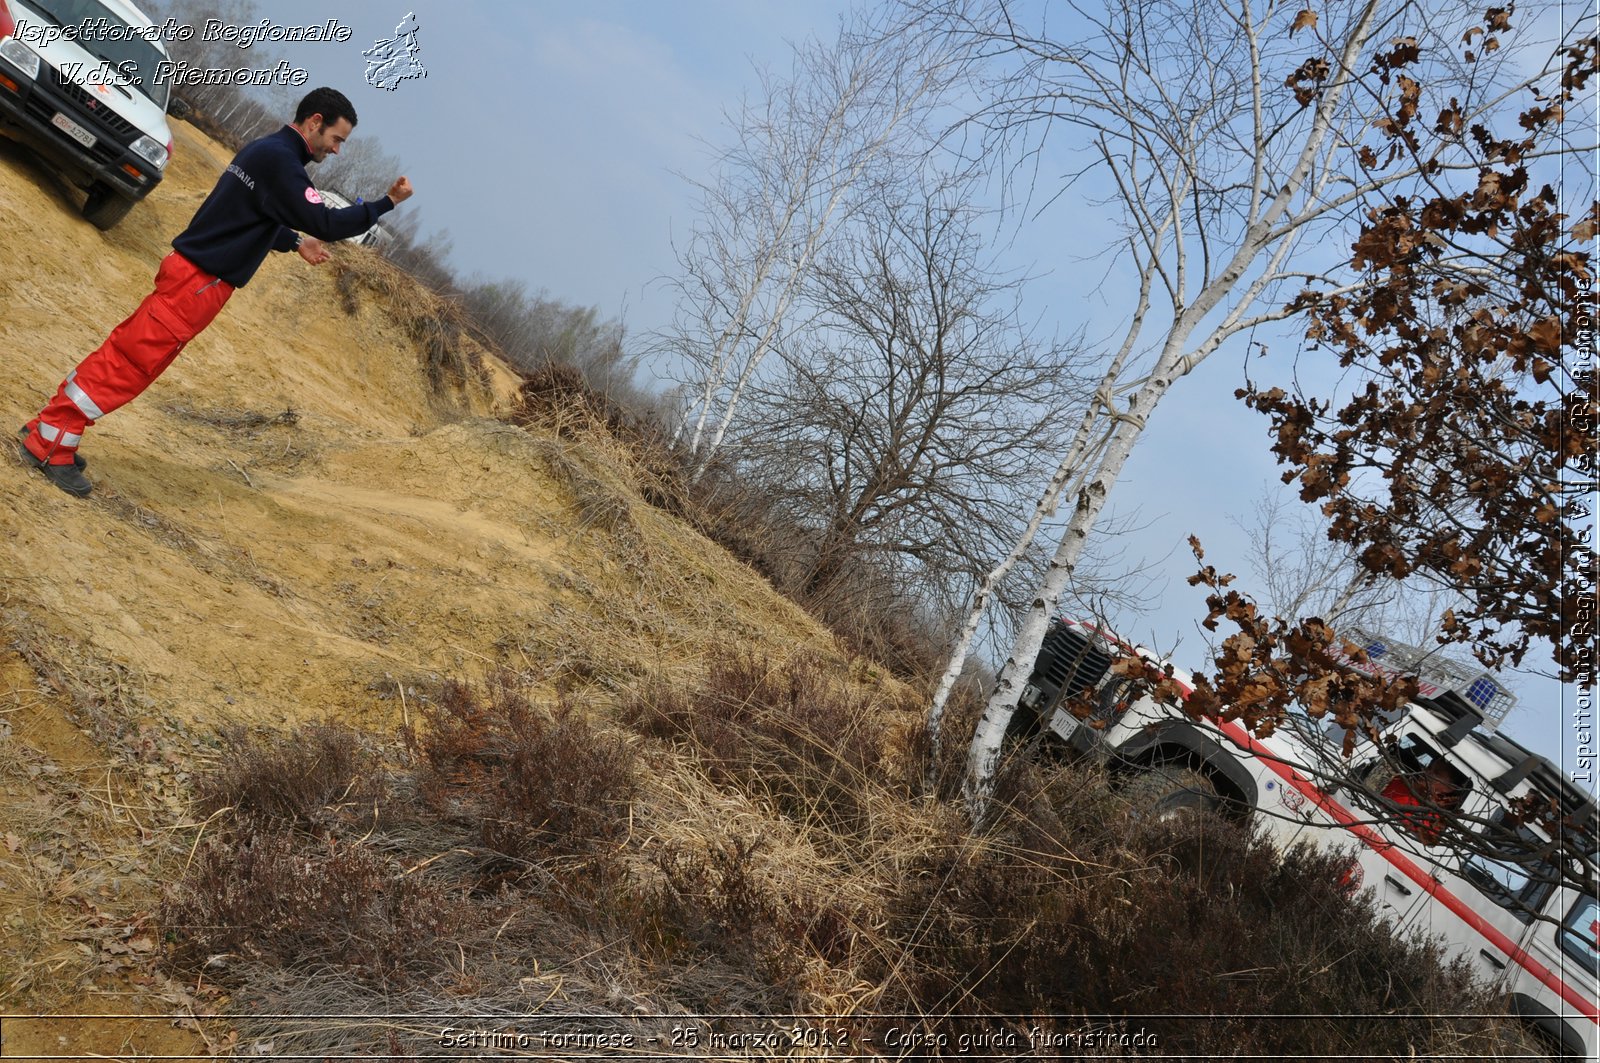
[(289, 525)]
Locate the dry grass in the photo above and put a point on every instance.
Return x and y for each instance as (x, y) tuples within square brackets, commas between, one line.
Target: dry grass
[(89, 827), (757, 844), (732, 835), (866, 610), (243, 422), (436, 324), (597, 504), (556, 399)]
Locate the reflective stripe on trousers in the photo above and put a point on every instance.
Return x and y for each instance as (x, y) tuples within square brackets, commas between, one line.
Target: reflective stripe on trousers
[(186, 299)]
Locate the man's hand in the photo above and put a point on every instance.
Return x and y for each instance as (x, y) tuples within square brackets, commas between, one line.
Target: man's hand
[(400, 191), (313, 250)]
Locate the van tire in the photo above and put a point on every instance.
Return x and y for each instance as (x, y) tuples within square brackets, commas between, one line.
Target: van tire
[(104, 207), (1170, 791)]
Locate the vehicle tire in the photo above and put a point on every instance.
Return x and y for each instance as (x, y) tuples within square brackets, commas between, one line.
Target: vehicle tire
[(1170, 791), (1544, 1038), (1024, 726), (104, 208)]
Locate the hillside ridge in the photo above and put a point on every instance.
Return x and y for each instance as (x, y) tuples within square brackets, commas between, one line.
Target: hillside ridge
[(292, 525)]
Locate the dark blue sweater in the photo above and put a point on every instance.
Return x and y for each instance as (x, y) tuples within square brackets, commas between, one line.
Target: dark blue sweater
[(261, 200)]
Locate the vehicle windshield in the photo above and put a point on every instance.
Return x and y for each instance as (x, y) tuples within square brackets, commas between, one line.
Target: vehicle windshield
[(117, 45)]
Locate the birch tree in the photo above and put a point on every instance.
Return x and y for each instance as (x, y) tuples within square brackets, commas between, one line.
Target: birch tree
[(778, 195), (1222, 135)]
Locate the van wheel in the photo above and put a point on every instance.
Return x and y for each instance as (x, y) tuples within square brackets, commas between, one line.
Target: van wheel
[(104, 208), (1170, 791), (1546, 1044), (1023, 727)]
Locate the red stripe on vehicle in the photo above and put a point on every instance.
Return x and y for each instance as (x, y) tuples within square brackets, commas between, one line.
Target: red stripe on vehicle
[(1405, 864), (1387, 849), (8, 25)]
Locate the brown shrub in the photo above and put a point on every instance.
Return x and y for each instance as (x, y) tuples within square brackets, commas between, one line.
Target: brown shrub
[(558, 397), (790, 732), (496, 856), (272, 898), (866, 606), (437, 324), (539, 783), (940, 773), (314, 778), (1226, 946)]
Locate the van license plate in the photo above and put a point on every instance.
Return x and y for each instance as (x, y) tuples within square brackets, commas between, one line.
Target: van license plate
[(1063, 723), (73, 130)]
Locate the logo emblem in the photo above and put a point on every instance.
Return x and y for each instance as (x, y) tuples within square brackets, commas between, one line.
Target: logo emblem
[(313, 196), (392, 61)]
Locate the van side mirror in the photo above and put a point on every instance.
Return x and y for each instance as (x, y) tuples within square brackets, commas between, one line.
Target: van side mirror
[(179, 108)]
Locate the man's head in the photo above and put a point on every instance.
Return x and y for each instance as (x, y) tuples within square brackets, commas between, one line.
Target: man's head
[(1438, 783), (325, 118)]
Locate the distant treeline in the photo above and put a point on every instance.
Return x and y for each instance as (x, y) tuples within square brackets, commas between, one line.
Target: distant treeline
[(530, 329)]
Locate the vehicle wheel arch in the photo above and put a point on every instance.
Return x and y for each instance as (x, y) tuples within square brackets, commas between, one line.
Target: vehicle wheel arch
[(1183, 743), (1550, 1028)]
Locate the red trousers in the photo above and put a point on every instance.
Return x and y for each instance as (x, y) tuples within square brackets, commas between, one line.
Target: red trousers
[(137, 351)]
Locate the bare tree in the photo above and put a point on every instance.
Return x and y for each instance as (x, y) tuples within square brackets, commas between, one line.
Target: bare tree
[(916, 406), (534, 330), (1225, 136), (244, 111), (1301, 572), (779, 193)]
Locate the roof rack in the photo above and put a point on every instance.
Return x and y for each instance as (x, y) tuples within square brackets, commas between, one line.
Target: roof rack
[(1437, 676)]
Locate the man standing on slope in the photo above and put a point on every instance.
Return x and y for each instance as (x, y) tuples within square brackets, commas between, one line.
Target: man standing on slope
[(263, 202)]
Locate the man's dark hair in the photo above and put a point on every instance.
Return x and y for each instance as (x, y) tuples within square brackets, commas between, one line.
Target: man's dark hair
[(331, 104)]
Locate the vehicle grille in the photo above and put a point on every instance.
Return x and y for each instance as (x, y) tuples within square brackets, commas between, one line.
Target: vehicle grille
[(111, 130), (1069, 663), (96, 109)]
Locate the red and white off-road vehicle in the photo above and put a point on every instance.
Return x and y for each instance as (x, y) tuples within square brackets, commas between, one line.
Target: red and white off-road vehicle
[(1528, 930)]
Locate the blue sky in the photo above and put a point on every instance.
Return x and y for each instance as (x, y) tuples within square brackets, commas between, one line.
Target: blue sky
[(546, 136), (549, 139)]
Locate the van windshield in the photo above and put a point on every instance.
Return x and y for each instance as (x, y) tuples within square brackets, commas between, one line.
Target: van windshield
[(102, 34)]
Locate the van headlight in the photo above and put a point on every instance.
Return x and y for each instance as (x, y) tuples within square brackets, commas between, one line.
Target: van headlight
[(152, 151), (20, 56)]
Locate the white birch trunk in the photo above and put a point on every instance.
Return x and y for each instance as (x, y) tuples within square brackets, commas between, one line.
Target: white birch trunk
[(1269, 208), (984, 753), (1073, 466), (1070, 468)]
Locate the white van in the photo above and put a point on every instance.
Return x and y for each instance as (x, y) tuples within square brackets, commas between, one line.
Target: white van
[(376, 237), (1485, 890), (78, 85)]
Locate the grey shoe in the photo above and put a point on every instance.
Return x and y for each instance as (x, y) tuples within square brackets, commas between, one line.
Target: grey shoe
[(69, 478)]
